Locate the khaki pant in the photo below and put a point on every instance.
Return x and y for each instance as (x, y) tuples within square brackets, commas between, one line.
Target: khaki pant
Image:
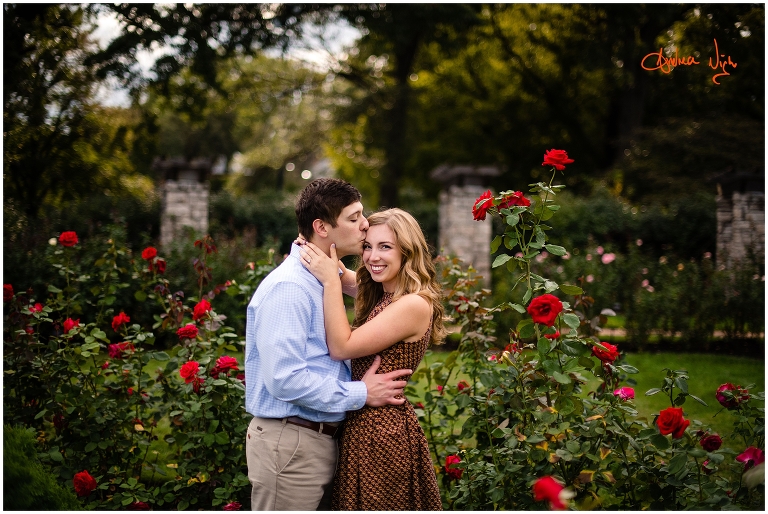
[(290, 467)]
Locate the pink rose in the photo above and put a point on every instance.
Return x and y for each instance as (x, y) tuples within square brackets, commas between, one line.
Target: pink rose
[(625, 393)]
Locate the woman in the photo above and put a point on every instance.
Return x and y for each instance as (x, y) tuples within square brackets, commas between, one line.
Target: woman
[(384, 461)]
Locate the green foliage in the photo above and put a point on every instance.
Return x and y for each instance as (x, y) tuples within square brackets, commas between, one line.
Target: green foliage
[(106, 413), (27, 484)]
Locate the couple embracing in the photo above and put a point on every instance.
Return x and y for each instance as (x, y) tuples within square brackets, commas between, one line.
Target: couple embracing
[(331, 428)]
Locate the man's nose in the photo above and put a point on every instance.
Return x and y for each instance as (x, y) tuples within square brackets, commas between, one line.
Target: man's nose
[(365, 225)]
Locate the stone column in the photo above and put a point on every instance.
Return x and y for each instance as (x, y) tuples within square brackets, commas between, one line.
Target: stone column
[(185, 204), (460, 234), (740, 226)]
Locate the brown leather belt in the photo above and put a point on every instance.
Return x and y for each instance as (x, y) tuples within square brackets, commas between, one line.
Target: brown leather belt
[(314, 425)]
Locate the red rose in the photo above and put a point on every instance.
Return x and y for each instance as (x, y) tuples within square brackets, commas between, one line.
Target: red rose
[(751, 457), (711, 442), (419, 405), (70, 323), (233, 506), (158, 265), (462, 385), (608, 355), (7, 292), (482, 204), (671, 421), (241, 377), (38, 307), (451, 471), (556, 158), (189, 371), (59, 422), (105, 365), (201, 309), (553, 336), (188, 331), (512, 348), (149, 253), (68, 238), (84, 482), (549, 489), (118, 320), (544, 309), (223, 365), (515, 198), (118, 350), (138, 506), (730, 396)]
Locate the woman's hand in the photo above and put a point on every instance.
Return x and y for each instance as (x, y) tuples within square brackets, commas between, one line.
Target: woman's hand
[(300, 240), (324, 268)]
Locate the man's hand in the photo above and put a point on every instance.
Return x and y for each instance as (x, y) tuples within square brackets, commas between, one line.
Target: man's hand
[(383, 388)]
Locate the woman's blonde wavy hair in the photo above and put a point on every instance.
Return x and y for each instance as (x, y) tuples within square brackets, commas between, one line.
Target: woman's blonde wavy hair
[(417, 274)]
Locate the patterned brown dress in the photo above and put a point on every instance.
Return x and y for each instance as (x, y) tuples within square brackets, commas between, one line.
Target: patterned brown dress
[(384, 460)]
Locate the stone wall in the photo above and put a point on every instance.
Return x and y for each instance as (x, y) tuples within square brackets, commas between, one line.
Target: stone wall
[(740, 226), (185, 204), (462, 236)]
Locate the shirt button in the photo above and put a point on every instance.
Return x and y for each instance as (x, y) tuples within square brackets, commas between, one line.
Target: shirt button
[(355, 406)]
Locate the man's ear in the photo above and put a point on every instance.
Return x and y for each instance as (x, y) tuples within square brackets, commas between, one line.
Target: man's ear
[(320, 228)]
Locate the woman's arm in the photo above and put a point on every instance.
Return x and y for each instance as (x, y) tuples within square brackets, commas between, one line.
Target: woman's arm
[(406, 319)]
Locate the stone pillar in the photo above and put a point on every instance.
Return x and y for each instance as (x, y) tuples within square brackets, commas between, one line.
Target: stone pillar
[(185, 191), (185, 204), (740, 226), (460, 235)]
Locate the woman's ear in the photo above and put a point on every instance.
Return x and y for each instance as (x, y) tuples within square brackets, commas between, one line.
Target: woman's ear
[(320, 228)]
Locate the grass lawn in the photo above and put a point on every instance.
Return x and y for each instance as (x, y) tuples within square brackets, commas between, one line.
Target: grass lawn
[(706, 373)]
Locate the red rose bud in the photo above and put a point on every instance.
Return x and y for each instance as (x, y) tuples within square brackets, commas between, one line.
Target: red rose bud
[(7, 292), (610, 354), (419, 405), (160, 266), (730, 396), (38, 307), (553, 336), (68, 238), (188, 331), (556, 158), (450, 470), (84, 482), (241, 377), (149, 253), (544, 309), (201, 309), (462, 385), (549, 489), (671, 421), (233, 506), (711, 442), (70, 323), (105, 365), (481, 206), (119, 320), (513, 199)]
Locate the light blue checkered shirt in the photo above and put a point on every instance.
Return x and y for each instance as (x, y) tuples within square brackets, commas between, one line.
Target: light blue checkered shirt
[(288, 371)]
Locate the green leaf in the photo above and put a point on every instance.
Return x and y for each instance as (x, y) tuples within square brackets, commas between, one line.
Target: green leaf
[(555, 249), (561, 377), (575, 348), (500, 259), (510, 241), (526, 330), (677, 463), (140, 295), (543, 346), (550, 286), (660, 442), (162, 356), (571, 320), (628, 369), (651, 392), (572, 290), (53, 289), (699, 400), (91, 446), (495, 243), (213, 425), (519, 308), (513, 219), (527, 296), (208, 439)]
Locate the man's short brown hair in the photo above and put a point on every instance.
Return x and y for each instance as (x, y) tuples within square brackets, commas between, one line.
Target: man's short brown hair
[(323, 198)]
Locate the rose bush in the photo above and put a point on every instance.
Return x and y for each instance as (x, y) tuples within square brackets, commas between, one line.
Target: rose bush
[(530, 413)]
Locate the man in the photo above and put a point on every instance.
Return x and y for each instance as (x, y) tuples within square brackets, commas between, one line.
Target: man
[(296, 393)]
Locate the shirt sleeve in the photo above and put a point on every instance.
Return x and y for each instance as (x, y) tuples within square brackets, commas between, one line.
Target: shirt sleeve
[(283, 345)]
